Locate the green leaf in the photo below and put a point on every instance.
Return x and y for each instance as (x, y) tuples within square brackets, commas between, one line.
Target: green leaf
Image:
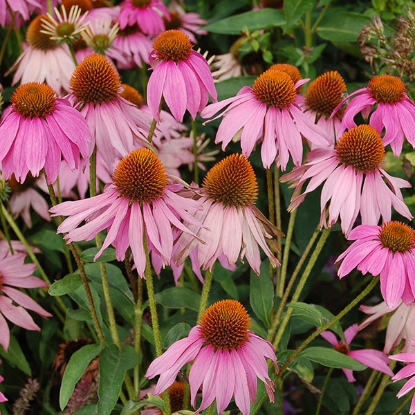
[(342, 26), (230, 87), (179, 331), (48, 239), (331, 358), (328, 316), (253, 20), (303, 368), (224, 277), (66, 285), (79, 295), (411, 157), (306, 312), (294, 10), (107, 256), (178, 297), (88, 410), (131, 407), (76, 367), (262, 294), (15, 356), (322, 3), (113, 363)]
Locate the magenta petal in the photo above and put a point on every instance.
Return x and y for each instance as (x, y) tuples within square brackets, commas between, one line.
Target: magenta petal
[(330, 337), (374, 359), (224, 390), (4, 333)]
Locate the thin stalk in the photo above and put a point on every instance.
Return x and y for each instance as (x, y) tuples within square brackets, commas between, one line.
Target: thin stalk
[(337, 318), (82, 272), (286, 255), (154, 317), (308, 30), (195, 151), (317, 22), (205, 294), (5, 42), (323, 390), (293, 278), (71, 49), (367, 391), (16, 30), (152, 129), (93, 173), (6, 228), (403, 404), (301, 284), (138, 311), (145, 78)]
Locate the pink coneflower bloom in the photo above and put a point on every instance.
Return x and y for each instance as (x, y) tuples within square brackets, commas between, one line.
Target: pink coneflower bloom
[(177, 67), (401, 324), (43, 60), (2, 397), (390, 110), (353, 181), (388, 250), (22, 8), (188, 23), (406, 372), (374, 359), (38, 130), (142, 198), (13, 303), (25, 197), (133, 46), (234, 225), (118, 126), (227, 359), (323, 95), (147, 14), (267, 113)]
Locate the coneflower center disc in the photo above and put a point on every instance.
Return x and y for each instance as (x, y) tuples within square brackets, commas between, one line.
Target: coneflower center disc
[(275, 89), (140, 3), (387, 89), (362, 148), (132, 95), (34, 100), (95, 80), (232, 182), (176, 395), (291, 70), (175, 21), (84, 5), (397, 236), (65, 29), (172, 45), (21, 187), (325, 93), (341, 348), (140, 176), (35, 38), (225, 325)]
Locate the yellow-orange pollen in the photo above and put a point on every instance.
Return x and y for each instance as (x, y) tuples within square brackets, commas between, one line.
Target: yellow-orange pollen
[(95, 80), (132, 95), (362, 148), (232, 182), (387, 89), (172, 45), (140, 176), (325, 93), (35, 38), (397, 237), (275, 89), (291, 70), (225, 324), (34, 100)]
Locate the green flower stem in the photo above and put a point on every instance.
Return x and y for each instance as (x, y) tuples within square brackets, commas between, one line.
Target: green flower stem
[(16, 30), (50, 7), (286, 255), (271, 198), (93, 173), (210, 409), (367, 391), (403, 404), (154, 317), (323, 238), (308, 30), (138, 311), (5, 43), (6, 228), (84, 277), (145, 80), (383, 383), (195, 152), (205, 294), (71, 49), (319, 18), (293, 278), (152, 129), (323, 390), (337, 318)]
